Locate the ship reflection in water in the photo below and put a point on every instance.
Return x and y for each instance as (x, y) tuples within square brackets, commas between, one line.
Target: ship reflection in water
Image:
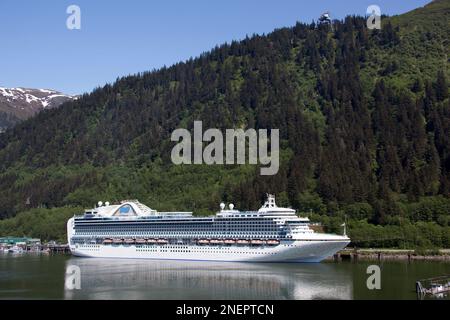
[(152, 279)]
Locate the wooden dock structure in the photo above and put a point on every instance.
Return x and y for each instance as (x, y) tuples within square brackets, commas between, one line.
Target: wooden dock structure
[(48, 248), (355, 254), (433, 286), (346, 255), (59, 248)]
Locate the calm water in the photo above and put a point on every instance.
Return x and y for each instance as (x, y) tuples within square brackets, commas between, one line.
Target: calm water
[(43, 277)]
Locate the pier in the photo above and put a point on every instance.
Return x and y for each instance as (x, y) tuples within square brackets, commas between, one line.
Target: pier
[(353, 254), (42, 248), (346, 255), (438, 286), (59, 248)]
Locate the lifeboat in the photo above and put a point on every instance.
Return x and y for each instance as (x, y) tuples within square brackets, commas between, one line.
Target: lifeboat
[(140, 241), (216, 241), (203, 241), (129, 241), (273, 242), (162, 241), (151, 241), (257, 242), (230, 241), (117, 241), (107, 241), (242, 241)]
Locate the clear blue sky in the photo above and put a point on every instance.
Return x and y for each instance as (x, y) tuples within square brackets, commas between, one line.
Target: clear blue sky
[(119, 37)]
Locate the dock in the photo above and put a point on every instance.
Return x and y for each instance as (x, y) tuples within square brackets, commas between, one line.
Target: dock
[(43, 248), (437, 286), (355, 254), (59, 248)]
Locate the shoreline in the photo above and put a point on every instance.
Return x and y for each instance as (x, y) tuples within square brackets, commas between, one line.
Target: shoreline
[(390, 254)]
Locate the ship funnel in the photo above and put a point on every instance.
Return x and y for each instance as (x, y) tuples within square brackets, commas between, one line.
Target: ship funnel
[(100, 203), (231, 206), (222, 206), (107, 203)]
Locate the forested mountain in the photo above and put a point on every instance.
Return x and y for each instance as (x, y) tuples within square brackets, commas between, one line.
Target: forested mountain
[(364, 119)]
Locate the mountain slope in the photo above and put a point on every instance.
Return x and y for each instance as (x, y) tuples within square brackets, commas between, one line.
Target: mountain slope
[(364, 121), (18, 104)]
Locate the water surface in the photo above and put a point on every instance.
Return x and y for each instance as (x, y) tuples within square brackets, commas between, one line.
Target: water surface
[(34, 276)]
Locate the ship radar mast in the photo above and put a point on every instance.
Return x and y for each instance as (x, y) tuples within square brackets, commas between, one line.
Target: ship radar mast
[(344, 225), (270, 202)]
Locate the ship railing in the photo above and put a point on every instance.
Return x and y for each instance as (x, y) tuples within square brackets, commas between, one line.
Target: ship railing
[(176, 213)]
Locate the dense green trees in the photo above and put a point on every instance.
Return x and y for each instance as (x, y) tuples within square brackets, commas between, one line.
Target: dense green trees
[(44, 224), (7, 120), (364, 121)]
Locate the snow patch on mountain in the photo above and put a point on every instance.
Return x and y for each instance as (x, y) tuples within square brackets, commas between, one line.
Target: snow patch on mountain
[(34, 97), (22, 103)]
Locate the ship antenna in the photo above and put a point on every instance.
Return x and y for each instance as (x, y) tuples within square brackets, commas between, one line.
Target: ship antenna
[(345, 225)]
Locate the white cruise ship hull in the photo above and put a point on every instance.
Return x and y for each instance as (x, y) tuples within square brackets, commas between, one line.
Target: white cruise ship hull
[(287, 251)]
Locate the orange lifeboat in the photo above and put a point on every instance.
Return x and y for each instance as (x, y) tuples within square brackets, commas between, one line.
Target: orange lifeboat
[(162, 241), (257, 242), (273, 242), (230, 241), (203, 241), (151, 241), (140, 241), (242, 242), (117, 241)]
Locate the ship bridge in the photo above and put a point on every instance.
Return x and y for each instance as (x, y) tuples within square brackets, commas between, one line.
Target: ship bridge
[(271, 210), (268, 210)]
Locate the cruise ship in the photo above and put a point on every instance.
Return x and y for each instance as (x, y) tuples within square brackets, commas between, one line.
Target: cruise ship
[(132, 230)]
